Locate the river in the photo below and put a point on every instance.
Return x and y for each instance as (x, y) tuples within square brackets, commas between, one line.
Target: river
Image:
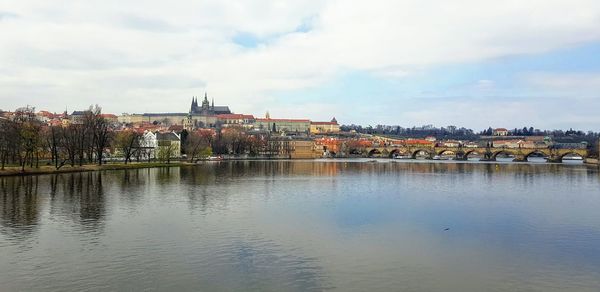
[(342, 225)]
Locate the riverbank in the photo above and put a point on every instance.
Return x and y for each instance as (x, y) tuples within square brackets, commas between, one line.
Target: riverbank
[(16, 171)]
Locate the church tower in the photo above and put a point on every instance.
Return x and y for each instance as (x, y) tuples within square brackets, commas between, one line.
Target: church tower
[(205, 104), (188, 123)]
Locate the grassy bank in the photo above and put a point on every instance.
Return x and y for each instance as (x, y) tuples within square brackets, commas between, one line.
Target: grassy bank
[(16, 171)]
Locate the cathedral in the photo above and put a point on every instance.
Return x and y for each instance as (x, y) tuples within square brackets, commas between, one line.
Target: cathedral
[(204, 115), (207, 109), (199, 116)]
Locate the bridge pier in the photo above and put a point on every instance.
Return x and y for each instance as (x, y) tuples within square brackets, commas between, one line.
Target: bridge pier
[(488, 156), (460, 156), (554, 159), (520, 158)]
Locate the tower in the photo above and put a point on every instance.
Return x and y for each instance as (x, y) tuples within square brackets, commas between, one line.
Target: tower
[(188, 123), (194, 107), (205, 104)]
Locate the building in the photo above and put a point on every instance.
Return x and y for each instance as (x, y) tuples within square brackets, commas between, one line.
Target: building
[(207, 109), (500, 132), (126, 118), (303, 149), (110, 118), (228, 120), (325, 127), (157, 145), (202, 115), (282, 125), (77, 117)]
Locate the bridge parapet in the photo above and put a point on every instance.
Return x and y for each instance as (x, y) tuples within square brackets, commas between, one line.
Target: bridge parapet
[(462, 153)]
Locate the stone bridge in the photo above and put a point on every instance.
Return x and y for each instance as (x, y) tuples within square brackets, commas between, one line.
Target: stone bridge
[(462, 153)]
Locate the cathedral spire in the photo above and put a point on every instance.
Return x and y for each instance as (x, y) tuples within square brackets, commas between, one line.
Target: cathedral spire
[(205, 96), (213, 103)]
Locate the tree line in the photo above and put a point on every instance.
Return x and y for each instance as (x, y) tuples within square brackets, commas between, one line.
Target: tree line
[(25, 141)]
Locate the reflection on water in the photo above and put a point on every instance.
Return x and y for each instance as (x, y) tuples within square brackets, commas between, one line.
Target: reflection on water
[(305, 225)]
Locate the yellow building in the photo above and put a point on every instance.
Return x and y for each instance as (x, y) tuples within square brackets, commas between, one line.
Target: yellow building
[(303, 149), (324, 127)]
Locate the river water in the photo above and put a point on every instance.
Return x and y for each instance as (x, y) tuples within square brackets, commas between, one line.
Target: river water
[(343, 225)]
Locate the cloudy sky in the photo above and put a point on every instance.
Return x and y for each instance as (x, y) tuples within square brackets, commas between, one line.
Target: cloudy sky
[(467, 63)]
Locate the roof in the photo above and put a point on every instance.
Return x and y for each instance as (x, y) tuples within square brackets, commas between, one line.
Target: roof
[(78, 113), (417, 141), (45, 114), (176, 128), (108, 116), (234, 116), (163, 114), (501, 129), (283, 120), (169, 136), (220, 108), (323, 123)]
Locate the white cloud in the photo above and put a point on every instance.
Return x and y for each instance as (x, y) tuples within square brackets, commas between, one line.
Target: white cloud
[(580, 85), (127, 55)]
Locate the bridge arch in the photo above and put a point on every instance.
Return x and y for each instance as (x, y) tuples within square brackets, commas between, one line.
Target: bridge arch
[(373, 152), (573, 153), (503, 151), (441, 152), (416, 152), (537, 151), (398, 151), (472, 151)]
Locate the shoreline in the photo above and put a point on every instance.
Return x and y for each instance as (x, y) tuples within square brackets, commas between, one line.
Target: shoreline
[(16, 171)]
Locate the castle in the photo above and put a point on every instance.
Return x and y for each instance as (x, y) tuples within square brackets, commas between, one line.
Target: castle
[(199, 116), (206, 109)]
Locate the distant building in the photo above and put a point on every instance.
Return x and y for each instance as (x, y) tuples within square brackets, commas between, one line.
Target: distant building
[(325, 127), (202, 115), (282, 125), (77, 117), (303, 149), (152, 144), (228, 120), (168, 142), (110, 118), (500, 132)]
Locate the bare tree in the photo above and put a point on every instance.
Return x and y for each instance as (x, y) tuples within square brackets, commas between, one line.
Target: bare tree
[(127, 142), (197, 145)]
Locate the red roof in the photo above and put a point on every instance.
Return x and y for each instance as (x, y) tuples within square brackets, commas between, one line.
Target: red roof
[(418, 141), (46, 114), (176, 128), (108, 116), (323, 123), (283, 120), (234, 116)]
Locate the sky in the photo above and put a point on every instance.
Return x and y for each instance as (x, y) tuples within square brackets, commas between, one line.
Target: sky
[(465, 63)]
